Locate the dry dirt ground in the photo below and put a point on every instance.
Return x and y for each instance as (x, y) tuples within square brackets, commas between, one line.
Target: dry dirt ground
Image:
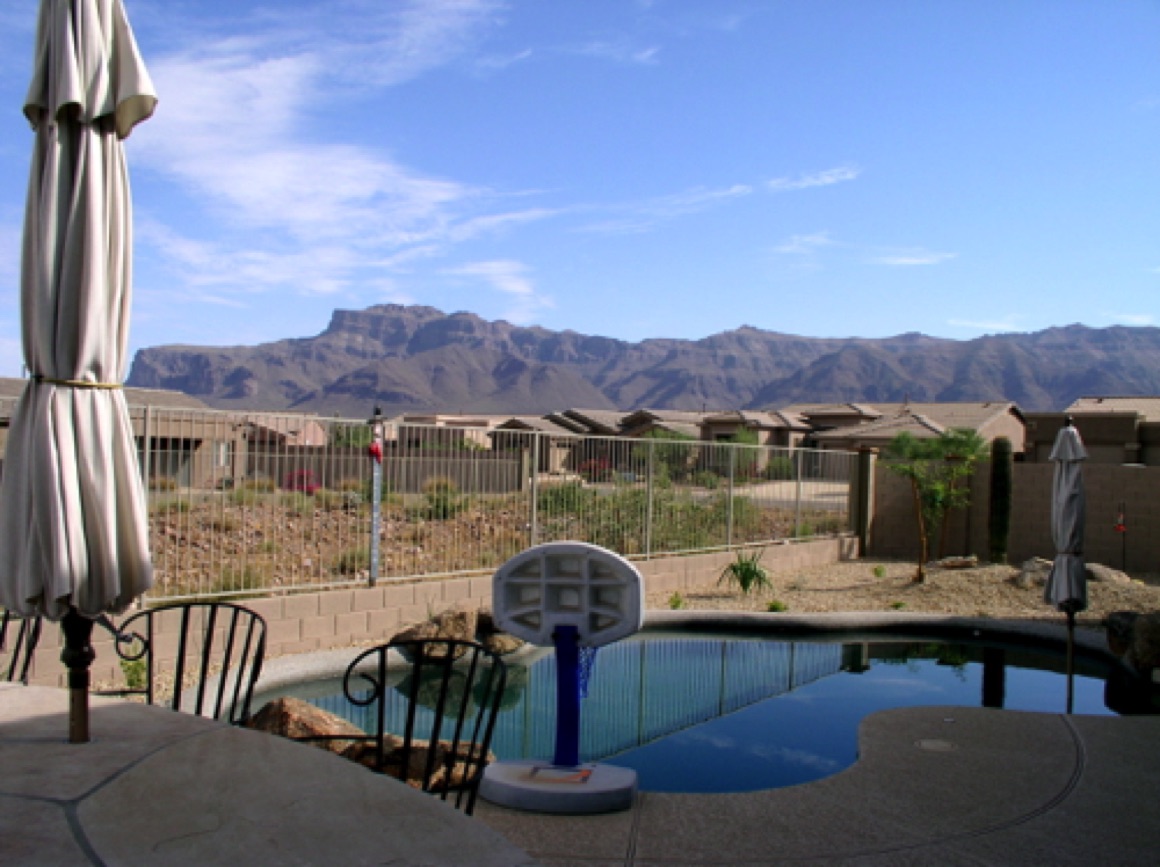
[(874, 585)]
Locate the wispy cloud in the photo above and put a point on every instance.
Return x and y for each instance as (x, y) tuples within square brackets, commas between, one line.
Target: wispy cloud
[(989, 325), (1135, 319), (511, 278), (620, 52), (804, 244), (236, 133), (913, 257), (635, 217), (826, 178)]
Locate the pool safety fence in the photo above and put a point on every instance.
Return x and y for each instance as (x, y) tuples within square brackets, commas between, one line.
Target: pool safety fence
[(246, 504)]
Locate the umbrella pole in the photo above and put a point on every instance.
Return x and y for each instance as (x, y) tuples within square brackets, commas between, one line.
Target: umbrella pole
[(77, 656), (1070, 659)]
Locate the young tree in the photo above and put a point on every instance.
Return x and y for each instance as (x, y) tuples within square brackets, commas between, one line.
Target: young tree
[(934, 468)]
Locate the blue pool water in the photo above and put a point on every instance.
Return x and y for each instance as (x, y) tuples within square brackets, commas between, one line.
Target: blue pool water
[(693, 714)]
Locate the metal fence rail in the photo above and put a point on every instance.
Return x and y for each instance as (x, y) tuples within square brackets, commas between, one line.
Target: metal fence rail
[(244, 503)]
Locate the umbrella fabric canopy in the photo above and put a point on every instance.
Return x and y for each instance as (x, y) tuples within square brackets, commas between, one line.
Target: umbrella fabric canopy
[(1067, 584), (73, 525)]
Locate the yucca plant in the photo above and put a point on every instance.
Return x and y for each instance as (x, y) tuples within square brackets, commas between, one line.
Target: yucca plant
[(746, 572)]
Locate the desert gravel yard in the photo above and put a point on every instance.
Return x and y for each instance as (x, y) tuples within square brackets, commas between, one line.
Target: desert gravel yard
[(881, 585)]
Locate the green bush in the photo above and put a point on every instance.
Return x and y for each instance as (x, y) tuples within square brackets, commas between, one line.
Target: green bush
[(353, 560), (443, 500), (779, 467), (746, 572), (558, 499), (776, 606)]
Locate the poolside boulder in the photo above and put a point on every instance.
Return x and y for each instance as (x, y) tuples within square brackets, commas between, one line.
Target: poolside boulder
[(301, 721)]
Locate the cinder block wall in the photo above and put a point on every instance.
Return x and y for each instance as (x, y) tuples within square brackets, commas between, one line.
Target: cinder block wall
[(337, 618), (1107, 486)]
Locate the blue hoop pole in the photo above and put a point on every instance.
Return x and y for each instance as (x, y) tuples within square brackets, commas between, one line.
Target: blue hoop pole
[(566, 639)]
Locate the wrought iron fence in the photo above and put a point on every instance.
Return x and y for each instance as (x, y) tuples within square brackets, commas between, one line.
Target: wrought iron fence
[(244, 503)]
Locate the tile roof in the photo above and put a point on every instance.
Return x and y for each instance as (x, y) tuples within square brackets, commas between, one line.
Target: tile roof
[(12, 387), (1148, 408)]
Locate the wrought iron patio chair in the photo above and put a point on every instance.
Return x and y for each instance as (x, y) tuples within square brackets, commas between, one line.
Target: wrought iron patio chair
[(18, 639), (199, 657), (429, 708)]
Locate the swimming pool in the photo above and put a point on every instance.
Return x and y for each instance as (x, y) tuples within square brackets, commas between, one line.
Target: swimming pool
[(716, 713)]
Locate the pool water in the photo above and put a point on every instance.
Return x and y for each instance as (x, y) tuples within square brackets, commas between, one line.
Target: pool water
[(694, 714)]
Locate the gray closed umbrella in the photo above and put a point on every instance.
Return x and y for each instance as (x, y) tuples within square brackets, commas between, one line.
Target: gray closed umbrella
[(1067, 584), (73, 523)]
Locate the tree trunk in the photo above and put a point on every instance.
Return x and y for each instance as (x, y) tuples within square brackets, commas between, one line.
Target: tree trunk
[(923, 542)]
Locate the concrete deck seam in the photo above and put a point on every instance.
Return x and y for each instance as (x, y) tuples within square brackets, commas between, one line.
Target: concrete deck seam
[(634, 828), (71, 806)]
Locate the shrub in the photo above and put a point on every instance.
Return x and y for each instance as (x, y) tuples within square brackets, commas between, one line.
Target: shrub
[(706, 479), (558, 499), (353, 560), (676, 601), (779, 468), (776, 606), (746, 572), (163, 483), (879, 571), (443, 500)]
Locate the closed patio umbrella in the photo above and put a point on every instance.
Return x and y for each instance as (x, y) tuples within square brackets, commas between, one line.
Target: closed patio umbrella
[(73, 525), (1067, 584)]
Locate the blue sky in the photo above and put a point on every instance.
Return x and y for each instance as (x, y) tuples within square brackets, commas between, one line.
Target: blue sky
[(669, 168)]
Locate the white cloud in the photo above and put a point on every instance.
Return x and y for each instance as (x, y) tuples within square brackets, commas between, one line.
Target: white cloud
[(804, 244), (819, 179), (1135, 319), (512, 278), (914, 257), (990, 326), (620, 52), (633, 217)]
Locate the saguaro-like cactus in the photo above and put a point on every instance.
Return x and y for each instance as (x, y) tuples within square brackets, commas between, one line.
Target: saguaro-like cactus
[(1002, 473)]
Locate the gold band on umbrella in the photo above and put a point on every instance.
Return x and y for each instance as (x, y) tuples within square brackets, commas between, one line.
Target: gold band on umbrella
[(76, 383)]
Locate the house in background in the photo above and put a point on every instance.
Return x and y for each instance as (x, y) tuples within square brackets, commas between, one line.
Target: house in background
[(883, 422), (1115, 430)]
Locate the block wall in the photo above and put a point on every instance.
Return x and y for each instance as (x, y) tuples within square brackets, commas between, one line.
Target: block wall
[(305, 622)]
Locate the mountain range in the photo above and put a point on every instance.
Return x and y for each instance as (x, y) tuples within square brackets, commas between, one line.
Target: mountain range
[(419, 359)]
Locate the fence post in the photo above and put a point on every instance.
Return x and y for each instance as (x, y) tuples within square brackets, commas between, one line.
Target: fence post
[(650, 473), (534, 489), (797, 506), (375, 452), (729, 500)]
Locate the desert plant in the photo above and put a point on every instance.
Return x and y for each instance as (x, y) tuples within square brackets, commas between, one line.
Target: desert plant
[(934, 467), (776, 606), (746, 572), (353, 560), (443, 500), (779, 467), (676, 601), (999, 522), (879, 571)]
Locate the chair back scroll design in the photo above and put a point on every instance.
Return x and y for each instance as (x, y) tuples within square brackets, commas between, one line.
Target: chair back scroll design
[(207, 663), (18, 639), (432, 708)]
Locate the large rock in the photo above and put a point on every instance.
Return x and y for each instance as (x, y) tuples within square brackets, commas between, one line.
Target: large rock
[(955, 563), (1098, 572), (456, 624), (1144, 654), (493, 638), (299, 720), (449, 770), (1033, 573)]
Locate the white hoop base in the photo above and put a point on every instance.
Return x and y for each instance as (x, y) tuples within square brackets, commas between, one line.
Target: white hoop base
[(541, 787)]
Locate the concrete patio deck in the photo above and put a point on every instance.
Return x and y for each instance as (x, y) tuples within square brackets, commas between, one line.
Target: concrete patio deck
[(932, 786), (156, 787)]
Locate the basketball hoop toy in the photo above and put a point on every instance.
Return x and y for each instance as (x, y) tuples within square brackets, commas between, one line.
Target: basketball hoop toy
[(575, 597)]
